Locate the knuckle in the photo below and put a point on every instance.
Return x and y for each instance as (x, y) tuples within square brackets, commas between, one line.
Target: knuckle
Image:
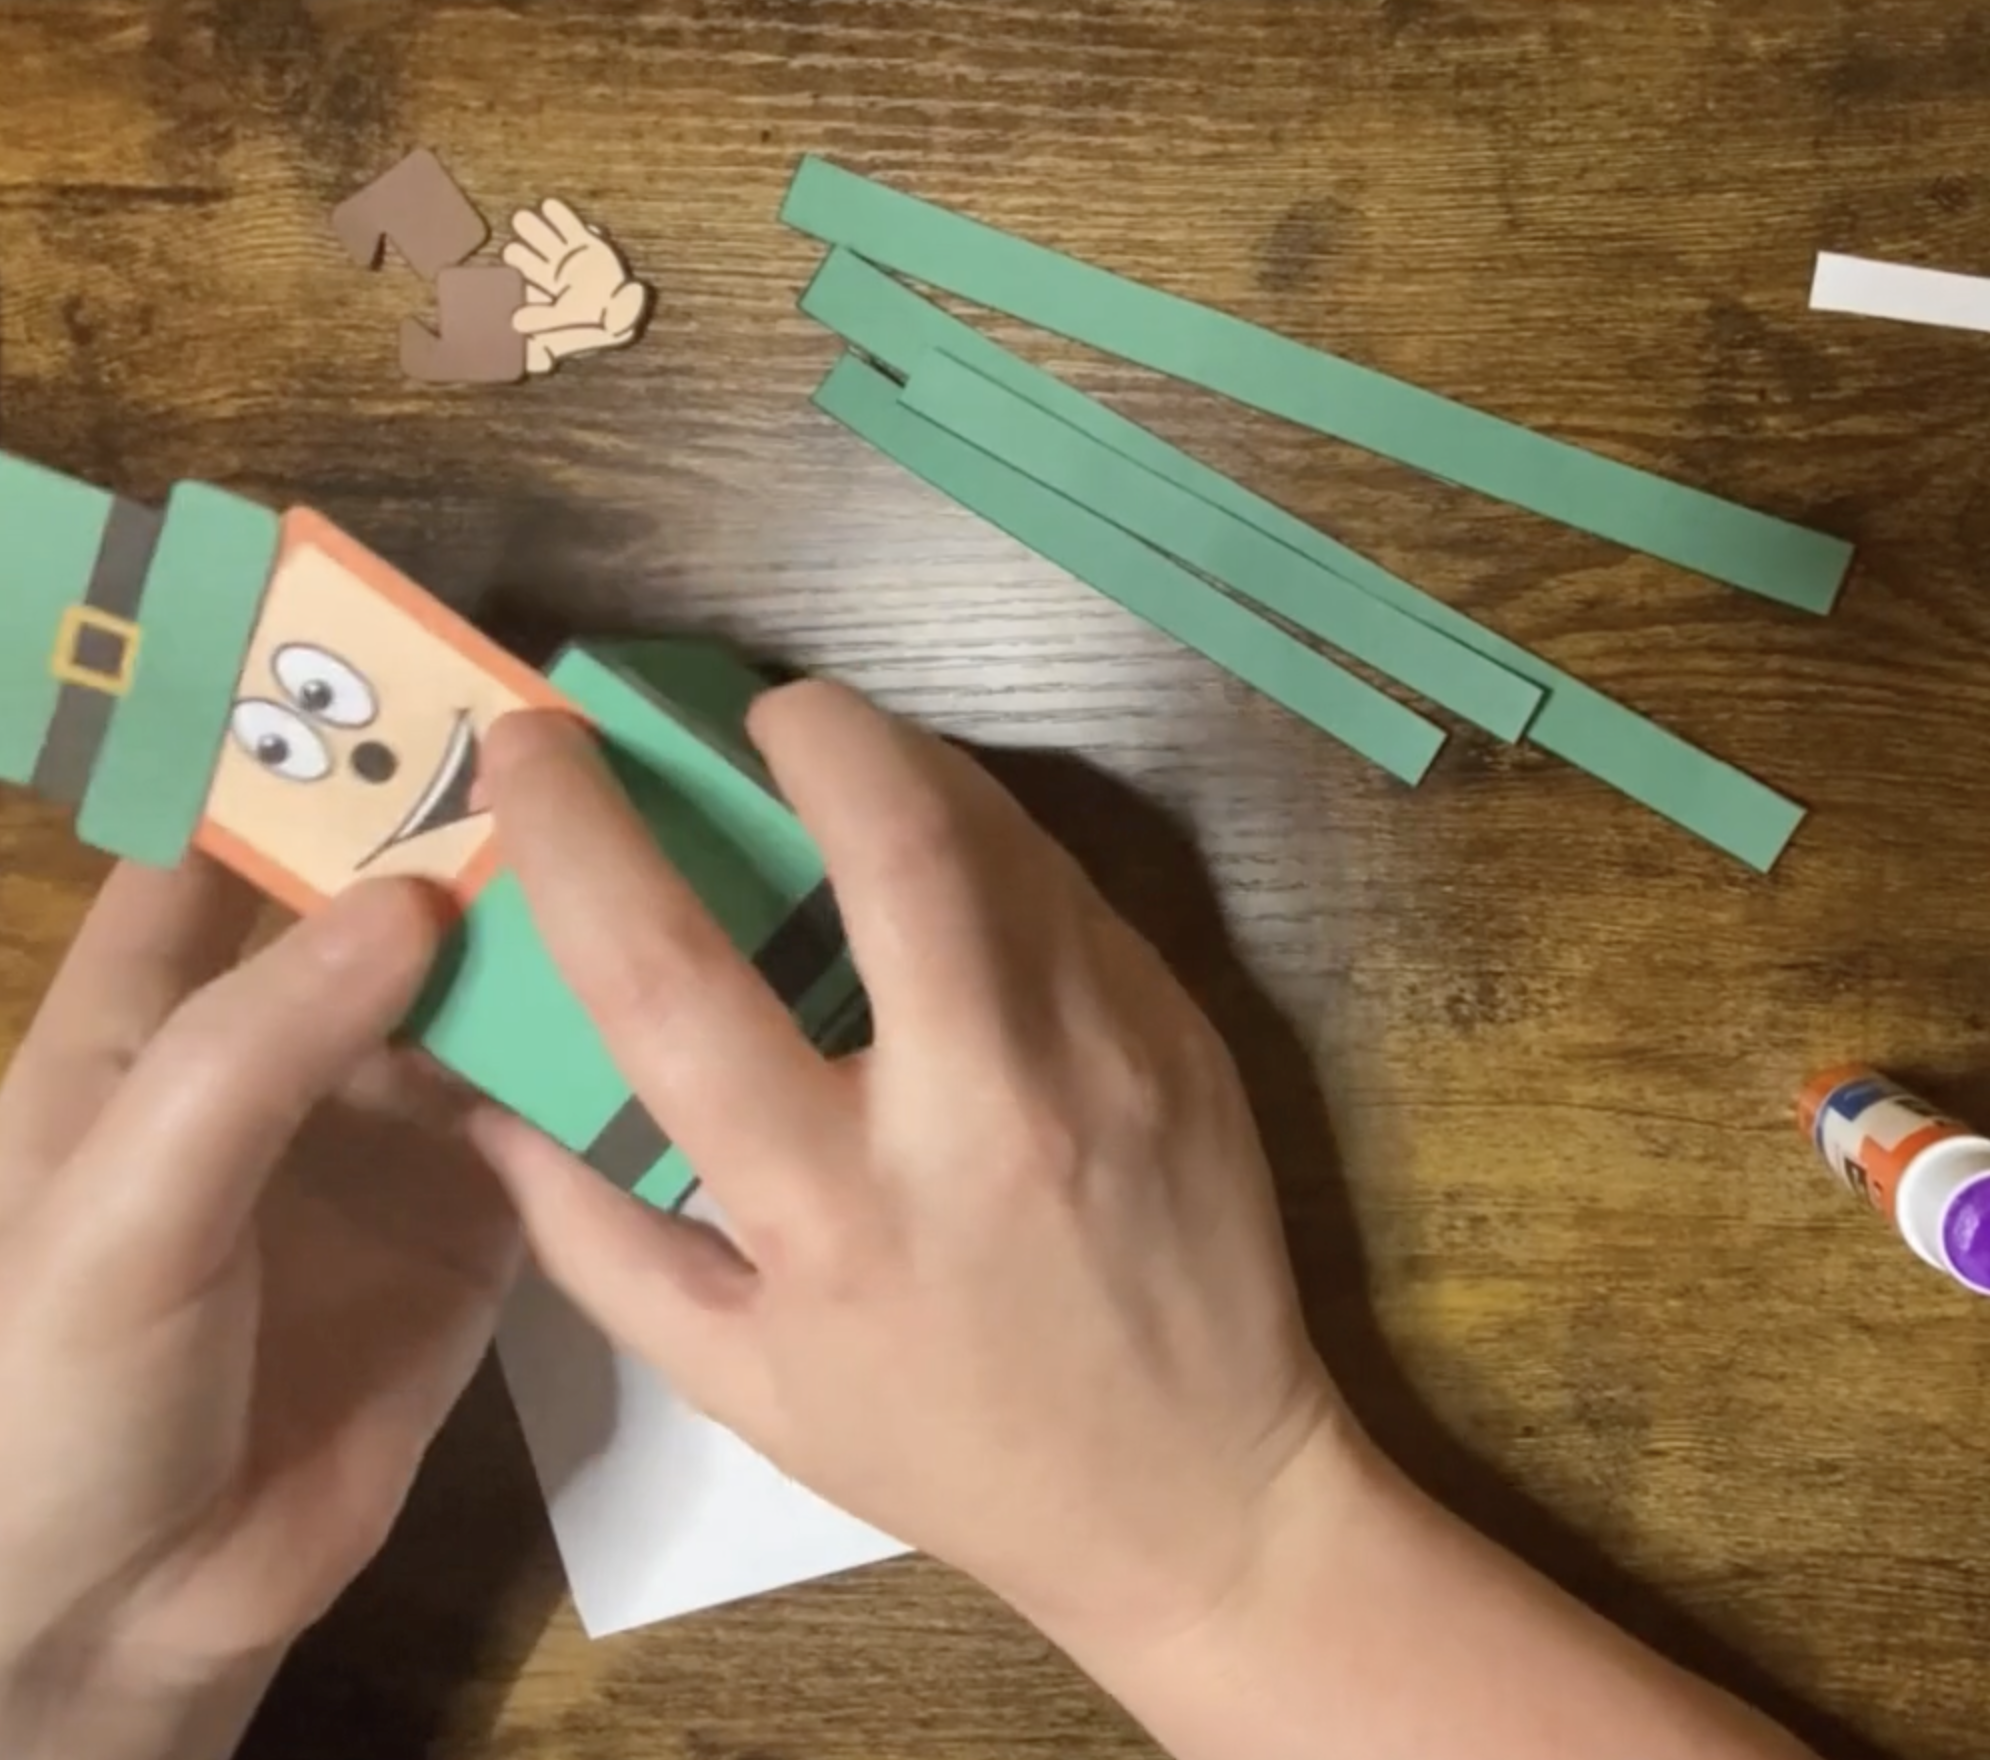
[(1106, 1104), (1032, 1142), (658, 973), (209, 1039), (827, 1245), (241, 1049), (1131, 1088), (921, 841), (1051, 1152)]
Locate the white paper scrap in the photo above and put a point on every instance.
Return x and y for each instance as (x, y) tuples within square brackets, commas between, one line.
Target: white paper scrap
[(658, 1512), (1869, 289)]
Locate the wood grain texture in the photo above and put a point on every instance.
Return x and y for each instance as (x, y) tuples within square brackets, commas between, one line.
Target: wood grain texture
[(1525, 1054)]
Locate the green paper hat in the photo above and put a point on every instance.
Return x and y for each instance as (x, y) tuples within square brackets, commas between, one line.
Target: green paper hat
[(122, 632)]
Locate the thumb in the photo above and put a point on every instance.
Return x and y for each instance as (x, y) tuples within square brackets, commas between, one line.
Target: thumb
[(576, 340), (166, 1182), (538, 320)]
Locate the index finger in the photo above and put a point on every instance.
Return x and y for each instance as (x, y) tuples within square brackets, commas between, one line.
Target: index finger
[(952, 895), (151, 940), (540, 320), (708, 1048), (171, 1173)]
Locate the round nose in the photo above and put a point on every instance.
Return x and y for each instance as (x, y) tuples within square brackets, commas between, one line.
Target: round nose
[(373, 762)]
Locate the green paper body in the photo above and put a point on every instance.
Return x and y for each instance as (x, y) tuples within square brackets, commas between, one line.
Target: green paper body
[(1577, 723), (1433, 434), (699, 677), (1147, 583), (202, 595), (1219, 544), (50, 529), (498, 1012)]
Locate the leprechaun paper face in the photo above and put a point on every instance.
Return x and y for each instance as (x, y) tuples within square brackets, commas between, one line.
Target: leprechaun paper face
[(353, 740)]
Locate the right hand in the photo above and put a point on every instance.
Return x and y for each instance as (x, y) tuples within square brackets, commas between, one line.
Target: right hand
[(1011, 1285)]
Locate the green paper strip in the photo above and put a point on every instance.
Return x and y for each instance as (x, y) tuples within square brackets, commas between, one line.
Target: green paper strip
[(1220, 545), (50, 529), (1434, 434), (1581, 725), (203, 594), (1148, 584)]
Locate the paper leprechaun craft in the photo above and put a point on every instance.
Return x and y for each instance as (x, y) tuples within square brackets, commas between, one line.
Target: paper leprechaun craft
[(212, 675)]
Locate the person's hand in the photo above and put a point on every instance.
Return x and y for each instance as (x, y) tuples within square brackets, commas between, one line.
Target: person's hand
[(1011, 1285), (248, 1261), (580, 297)]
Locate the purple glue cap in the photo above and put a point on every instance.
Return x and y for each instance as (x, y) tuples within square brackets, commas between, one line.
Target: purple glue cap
[(1966, 1234)]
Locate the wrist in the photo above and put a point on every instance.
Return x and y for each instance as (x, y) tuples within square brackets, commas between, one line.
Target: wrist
[(1332, 1482)]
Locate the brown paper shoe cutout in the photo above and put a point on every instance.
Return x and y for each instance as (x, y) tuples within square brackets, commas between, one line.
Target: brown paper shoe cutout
[(477, 344), (416, 207)]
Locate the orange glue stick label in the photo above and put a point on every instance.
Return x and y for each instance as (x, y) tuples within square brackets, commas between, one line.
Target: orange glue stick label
[(1870, 1131)]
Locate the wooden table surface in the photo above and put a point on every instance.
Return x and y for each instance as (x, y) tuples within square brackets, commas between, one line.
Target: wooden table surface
[(1525, 1053)]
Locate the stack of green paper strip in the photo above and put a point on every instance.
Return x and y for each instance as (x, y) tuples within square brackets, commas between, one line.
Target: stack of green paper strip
[(1165, 535)]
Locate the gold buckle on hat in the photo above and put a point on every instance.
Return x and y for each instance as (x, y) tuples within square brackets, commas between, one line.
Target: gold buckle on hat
[(64, 665)]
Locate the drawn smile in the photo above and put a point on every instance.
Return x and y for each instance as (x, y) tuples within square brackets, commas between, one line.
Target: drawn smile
[(446, 800)]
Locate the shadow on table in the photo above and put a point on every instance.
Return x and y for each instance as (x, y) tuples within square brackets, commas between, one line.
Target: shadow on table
[(415, 1662), (1150, 869)]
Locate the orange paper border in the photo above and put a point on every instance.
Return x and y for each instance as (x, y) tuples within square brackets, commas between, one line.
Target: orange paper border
[(302, 528)]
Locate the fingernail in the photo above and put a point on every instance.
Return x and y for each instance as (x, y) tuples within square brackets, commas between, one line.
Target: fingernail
[(376, 922)]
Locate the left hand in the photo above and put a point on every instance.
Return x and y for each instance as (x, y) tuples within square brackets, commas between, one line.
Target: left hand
[(580, 297), (247, 1265)]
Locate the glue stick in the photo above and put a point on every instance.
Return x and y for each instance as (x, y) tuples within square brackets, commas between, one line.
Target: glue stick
[(1924, 1172)]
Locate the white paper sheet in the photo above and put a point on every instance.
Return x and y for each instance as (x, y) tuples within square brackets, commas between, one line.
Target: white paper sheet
[(658, 1512), (1897, 290)]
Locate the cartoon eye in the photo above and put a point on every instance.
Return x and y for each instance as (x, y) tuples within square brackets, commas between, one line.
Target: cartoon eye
[(324, 686), (280, 740)]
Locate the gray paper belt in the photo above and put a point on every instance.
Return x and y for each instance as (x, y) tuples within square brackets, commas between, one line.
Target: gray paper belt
[(792, 960), (83, 711)]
